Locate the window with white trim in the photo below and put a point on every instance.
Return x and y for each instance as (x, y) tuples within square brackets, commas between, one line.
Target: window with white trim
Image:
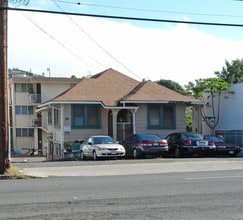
[(161, 116), (86, 116)]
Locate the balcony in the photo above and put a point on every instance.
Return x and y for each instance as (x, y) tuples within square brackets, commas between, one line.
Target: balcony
[(35, 122), (35, 98)]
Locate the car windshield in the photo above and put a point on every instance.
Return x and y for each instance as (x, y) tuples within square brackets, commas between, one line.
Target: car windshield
[(192, 137), (103, 140), (214, 138), (149, 137)]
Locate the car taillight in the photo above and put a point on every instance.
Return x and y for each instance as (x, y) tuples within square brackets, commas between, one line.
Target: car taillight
[(147, 143), (164, 142), (189, 143)]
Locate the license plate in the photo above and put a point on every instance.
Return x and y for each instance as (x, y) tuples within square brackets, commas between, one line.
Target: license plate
[(113, 152), (231, 152), (201, 143)]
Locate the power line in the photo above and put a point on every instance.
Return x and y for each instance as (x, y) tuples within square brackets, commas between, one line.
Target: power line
[(125, 18), (97, 44), (49, 35), (149, 10)]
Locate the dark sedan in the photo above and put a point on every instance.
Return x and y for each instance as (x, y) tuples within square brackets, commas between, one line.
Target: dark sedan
[(140, 145), (189, 144), (222, 147)]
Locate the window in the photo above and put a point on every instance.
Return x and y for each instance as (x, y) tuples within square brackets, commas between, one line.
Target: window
[(161, 116), (24, 132), (49, 117), (86, 116), (154, 115), (24, 110), (168, 117), (23, 87), (78, 116), (93, 116), (56, 116)]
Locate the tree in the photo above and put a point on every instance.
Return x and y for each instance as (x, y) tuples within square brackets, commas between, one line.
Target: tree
[(232, 72), (189, 119), (171, 85), (210, 91)]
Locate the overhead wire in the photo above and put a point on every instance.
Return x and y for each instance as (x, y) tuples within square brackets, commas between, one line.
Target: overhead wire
[(148, 10), (96, 43), (126, 18), (53, 38)]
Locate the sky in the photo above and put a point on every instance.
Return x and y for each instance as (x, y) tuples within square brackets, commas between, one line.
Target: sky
[(60, 45)]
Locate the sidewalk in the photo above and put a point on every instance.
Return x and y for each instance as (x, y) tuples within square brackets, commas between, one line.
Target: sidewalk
[(21, 160), (28, 159)]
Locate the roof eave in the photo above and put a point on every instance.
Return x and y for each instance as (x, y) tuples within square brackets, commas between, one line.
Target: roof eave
[(44, 106)]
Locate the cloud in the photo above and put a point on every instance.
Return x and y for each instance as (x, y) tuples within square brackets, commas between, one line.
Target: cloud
[(85, 45)]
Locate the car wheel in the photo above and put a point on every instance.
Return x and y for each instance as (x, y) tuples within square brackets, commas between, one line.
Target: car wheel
[(82, 157), (94, 155), (136, 154), (177, 153)]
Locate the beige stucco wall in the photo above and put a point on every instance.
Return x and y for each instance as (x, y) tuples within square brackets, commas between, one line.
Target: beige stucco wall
[(51, 90), (141, 121), (82, 133), (23, 144), (21, 98)]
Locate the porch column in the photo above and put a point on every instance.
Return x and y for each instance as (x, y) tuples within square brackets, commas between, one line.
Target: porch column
[(134, 120), (62, 130), (114, 123), (36, 139)]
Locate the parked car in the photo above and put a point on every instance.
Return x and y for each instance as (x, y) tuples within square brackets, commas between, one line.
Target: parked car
[(182, 144), (222, 147), (140, 145), (101, 146)]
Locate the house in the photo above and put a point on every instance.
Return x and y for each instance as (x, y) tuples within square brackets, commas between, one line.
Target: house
[(230, 118), (114, 104), (28, 129)]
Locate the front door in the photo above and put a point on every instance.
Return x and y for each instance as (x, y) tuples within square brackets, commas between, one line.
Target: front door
[(124, 124)]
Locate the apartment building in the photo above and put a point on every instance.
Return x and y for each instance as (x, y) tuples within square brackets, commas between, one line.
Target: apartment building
[(28, 128)]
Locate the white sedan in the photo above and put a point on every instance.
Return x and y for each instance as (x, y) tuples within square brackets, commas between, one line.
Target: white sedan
[(101, 146)]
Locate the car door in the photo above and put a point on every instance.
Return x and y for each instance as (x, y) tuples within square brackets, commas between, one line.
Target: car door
[(89, 147), (86, 147), (173, 140)]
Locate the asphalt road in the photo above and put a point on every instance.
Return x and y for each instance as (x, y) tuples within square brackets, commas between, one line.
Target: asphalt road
[(201, 195), (191, 188)]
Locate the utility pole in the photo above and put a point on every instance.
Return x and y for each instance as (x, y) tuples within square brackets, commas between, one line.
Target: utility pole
[(4, 163)]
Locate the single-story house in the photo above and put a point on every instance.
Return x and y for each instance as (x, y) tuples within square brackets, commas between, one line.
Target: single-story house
[(114, 104)]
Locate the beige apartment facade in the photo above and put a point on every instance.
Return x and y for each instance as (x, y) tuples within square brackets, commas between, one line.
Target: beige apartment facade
[(28, 127)]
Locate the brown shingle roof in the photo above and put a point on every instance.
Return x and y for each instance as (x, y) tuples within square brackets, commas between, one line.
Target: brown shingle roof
[(111, 86), (108, 87), (151, 91)]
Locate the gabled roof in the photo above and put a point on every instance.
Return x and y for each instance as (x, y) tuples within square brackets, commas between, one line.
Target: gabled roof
[(107, 87), (112, 87), (153, 92)]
